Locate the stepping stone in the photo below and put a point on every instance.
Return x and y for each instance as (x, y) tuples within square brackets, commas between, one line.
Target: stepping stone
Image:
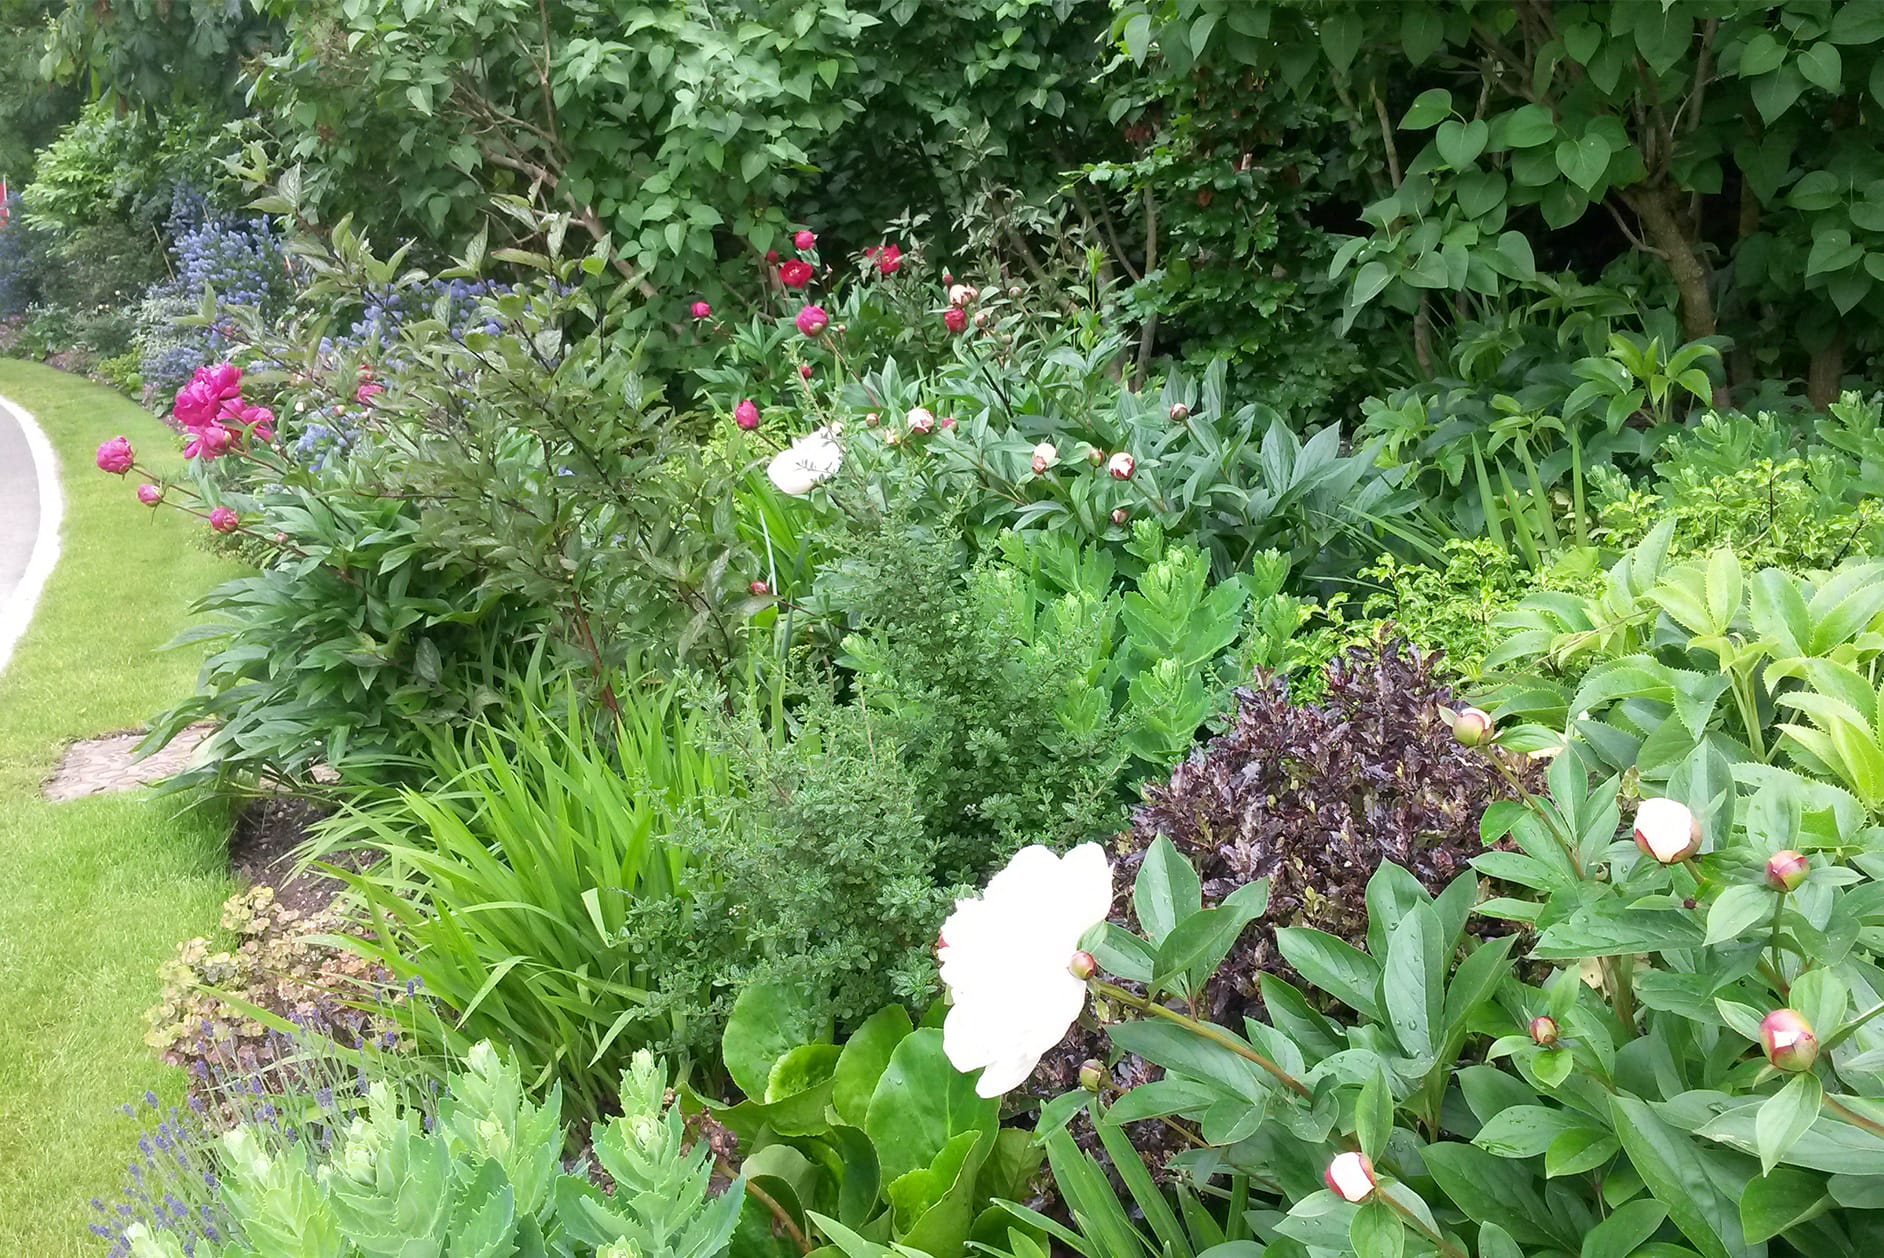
[(97, 766)]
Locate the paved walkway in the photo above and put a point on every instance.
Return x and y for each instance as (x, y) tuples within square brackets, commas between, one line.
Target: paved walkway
[(29, 521)]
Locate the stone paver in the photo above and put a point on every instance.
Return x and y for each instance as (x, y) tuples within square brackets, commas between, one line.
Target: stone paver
[(98, 765)]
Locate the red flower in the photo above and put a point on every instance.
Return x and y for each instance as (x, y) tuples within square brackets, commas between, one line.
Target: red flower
[(700, 310), (812, 320), (223, 520), (794, 274), (115, 456), (955, 318), (804, 240), (771, 256), (804, 371), (746, 415), (889, 259)]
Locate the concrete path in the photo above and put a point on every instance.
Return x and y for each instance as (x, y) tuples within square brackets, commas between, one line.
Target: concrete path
[(30, 508)]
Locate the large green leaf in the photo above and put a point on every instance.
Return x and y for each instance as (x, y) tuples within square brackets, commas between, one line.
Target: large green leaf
[(921, 1103)]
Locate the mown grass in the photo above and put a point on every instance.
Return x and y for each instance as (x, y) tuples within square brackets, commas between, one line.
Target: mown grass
[(94, 894)]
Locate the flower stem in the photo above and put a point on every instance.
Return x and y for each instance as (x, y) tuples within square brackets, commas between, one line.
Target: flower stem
[(1202, 1030), (1854, 1118), (1418, 1224)]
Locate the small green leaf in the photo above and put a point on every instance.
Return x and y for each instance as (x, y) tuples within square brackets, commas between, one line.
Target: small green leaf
[(1427, 109)]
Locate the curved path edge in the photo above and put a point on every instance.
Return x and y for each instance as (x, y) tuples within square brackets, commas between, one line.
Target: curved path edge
[(39, 476)]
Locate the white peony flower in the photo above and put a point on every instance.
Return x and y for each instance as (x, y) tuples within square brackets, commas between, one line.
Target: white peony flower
[(1666, 830), (799, 467), (1045, 456), (1006, 958)]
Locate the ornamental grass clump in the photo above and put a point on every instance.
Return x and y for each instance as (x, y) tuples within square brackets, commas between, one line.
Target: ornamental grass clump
[(1317, 796)]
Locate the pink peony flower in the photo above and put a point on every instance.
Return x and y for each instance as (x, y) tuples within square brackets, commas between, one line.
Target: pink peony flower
[(209, 442), (1045, 456), (921, 419), (260, 421), (116, 456), (746, 414), (948, 422), (368, 391), (223, 520), (804, 240), (812, 320), (794, 274), (955, 318), (1121, 465), (150, 495), (1788, 1041), (759, 589), (1543, 1030), (1350, 1177), (889, 260), (1666, 830), (700, 310), (962, 294)]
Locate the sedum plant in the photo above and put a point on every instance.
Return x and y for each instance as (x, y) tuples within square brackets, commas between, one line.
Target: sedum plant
[(481, 1179)]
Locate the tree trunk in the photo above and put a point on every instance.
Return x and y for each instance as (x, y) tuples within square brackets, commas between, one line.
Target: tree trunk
[(1827, 369), (1659, 223)]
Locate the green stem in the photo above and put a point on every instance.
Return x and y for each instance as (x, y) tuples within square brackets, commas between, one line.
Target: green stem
[(1854, 1118), (1617, 975), (1537, 809), (1844, 1032), (1749, 715), (1202, 1030), (1419, 1225)]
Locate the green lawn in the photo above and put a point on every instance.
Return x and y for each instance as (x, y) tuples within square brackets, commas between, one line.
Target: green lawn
[(94, 894)]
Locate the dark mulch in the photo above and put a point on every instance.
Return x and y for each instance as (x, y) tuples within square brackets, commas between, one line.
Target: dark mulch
[(265, 847)]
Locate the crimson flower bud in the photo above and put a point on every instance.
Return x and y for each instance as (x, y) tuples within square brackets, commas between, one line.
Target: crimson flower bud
[(1082, 965), (1544, 1031), (804, 371), (1350, 1177), (759, 589), (150, 495), (1121, 465), (1785, 870), (700, 310), (746, 414), (1788, 1041)]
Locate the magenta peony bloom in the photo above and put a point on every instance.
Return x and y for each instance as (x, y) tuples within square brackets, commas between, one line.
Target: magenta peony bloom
[(794, 274), (812, 320), (368, 391), (223, 520), (804, 240), (746, 414), (150, 495), (116, 456), (955, 318), (260, 421), (209, 442), (700, 310), (889, 260)]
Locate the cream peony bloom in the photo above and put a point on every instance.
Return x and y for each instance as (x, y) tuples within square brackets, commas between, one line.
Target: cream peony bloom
[(1005, 958), (799, 467), (1350, 1176)]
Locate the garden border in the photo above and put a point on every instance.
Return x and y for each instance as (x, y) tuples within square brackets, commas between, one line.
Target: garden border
[(17, 615)]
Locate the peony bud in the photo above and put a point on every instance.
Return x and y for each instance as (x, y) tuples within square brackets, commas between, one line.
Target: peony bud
[(1120, 515), (1786, 870), (1473, 727), (948, 278), (1179, 412), (1093, 1076), (804, 371), (1082, 966), (1788, 1041), (1544, 1031), (948, 422), (1045, 456), (812, 320), (116, 456), (150, 495), (223, 520), (746, 415), (872, 419), (281, 538), (771, 256), (1015, 291), (982, 317), (1350, 1176), (920, 419), (1121, 465), (759, 589), (804, 240), (955, 318), (1666, 830), (701, 310)]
